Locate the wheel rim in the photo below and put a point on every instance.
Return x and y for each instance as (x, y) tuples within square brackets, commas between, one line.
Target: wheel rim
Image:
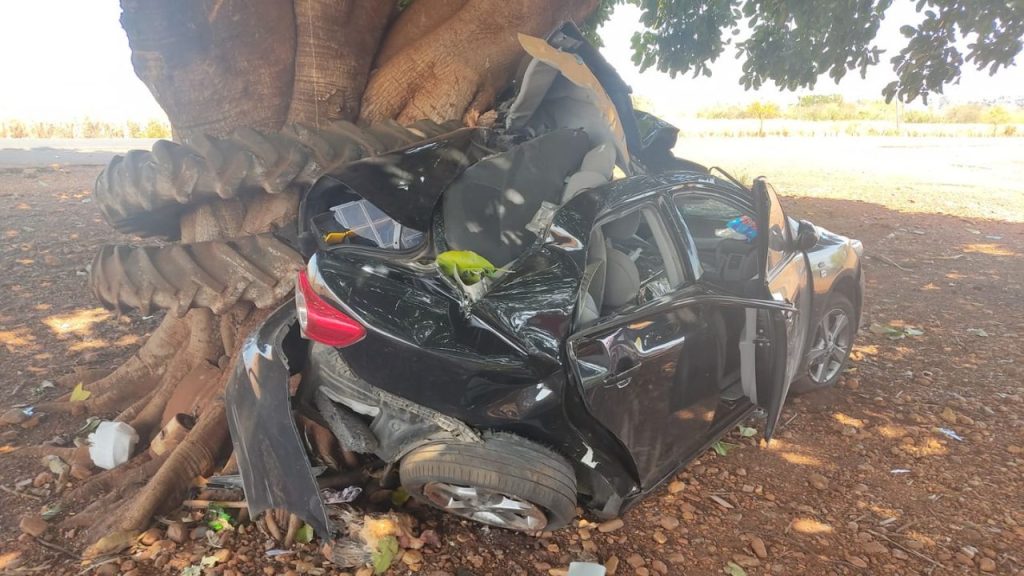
[(486, 506), (831, 346)]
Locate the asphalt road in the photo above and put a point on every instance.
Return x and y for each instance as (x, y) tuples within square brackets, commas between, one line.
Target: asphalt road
[(16, 152)]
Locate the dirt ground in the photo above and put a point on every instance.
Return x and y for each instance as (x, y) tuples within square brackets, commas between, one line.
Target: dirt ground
[(913, 465)]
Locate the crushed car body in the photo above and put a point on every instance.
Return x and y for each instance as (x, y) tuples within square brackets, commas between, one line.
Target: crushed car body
[(634, 308)]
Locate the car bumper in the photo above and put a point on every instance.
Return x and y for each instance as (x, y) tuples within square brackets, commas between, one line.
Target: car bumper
[(271, 457)]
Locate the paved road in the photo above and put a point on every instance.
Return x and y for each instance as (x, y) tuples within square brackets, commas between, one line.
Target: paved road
[(43, 152)]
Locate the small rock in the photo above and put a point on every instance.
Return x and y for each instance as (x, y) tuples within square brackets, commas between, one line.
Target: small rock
[(412, 557), (198, 533), (745, 561), (221, 555), (635, 560), (108, 569), (610, 525), (856, 561), (13, 416), (948, 415), (611, 565), (669, 522), (758, 547), (363, 571), (42, 479), (33, 525), (818, 481), (676, 558), (642, 571), (900, 554), (875, 548), (987, 565), (659, 567), (150, 537), (80, 471), (660, 537), (676, 486), (177, 532), (558, 572)]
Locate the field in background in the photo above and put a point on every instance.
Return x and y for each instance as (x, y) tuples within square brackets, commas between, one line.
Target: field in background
[(85, 128)]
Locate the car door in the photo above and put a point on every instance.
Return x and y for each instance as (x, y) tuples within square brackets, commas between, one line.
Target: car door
[(650, 373), (787, 279)]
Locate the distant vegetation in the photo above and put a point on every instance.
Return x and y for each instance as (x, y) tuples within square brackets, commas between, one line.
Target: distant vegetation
[(85, 128), (833, 108)]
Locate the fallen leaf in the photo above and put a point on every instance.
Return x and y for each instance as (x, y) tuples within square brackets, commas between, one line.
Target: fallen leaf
[(734, 569), (80, 394), (304, 535)]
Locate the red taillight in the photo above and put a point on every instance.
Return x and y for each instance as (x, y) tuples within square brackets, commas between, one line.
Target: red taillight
[(322, 322)]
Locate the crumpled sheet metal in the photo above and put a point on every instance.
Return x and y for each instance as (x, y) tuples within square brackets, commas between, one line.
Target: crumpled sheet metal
[(273, 464)]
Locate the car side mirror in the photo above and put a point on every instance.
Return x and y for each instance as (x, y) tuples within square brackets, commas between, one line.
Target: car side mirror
[(806, 236)]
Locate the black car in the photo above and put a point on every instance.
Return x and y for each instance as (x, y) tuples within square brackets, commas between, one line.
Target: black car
[(639, 308)]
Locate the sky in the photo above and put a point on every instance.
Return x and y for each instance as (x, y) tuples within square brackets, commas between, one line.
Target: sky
[(69, 59)]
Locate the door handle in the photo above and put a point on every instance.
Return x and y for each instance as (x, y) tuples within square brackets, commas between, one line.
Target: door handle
[(623, 377)]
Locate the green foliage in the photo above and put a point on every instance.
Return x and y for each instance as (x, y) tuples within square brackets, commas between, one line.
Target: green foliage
[(791, 43), (384, 555)]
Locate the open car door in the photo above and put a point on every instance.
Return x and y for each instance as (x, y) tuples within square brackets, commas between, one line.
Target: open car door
[(786, 279)]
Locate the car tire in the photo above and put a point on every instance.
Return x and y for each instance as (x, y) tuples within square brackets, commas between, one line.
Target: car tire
[(813, 379), (504, 481)]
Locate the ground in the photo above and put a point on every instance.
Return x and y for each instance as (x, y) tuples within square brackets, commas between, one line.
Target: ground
[(866, 478)]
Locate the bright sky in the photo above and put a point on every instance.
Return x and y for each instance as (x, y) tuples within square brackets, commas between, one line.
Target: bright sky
[(66, 59)]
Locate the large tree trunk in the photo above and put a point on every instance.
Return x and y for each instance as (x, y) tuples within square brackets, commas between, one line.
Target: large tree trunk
[(224, 68)]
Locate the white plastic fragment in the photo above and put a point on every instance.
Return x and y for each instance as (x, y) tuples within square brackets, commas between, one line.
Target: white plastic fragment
[(112, 444), (586, 569)]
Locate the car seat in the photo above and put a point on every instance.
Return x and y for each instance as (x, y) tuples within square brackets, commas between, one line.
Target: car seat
[(622, 278)]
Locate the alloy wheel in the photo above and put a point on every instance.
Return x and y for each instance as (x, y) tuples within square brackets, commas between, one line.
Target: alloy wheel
[(831, 347), (486, 506)]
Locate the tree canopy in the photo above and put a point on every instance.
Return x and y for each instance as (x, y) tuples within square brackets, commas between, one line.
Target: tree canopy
[(792, 43)]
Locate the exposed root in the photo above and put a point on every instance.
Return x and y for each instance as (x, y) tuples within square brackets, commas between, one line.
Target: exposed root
[(132, 472), (64, 453)]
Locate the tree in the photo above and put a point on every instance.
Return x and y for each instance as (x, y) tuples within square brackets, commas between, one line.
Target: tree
[(996, 116), (762, 111), (260, 94)]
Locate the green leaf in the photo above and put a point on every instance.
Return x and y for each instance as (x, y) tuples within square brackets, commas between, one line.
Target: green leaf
[(722, 448), (384, 555), (466, 265), (305, 534), (191, 571), (51, 512), (399, 497), (747, 431), (734, 569), (217, 518)]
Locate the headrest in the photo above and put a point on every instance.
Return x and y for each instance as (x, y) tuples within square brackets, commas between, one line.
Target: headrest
[(581, 181), (623, 228), (601, 160)]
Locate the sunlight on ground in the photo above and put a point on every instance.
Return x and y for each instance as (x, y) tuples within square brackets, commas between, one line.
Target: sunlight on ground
[(90, 344), (810, 526), (800, 459), (988, 249), (79, 322), (11, 560), (17, 338), (848, 420), (891, 431)]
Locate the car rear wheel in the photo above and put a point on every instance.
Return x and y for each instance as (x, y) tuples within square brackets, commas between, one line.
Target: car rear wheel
[(505, 481), (831, 346)]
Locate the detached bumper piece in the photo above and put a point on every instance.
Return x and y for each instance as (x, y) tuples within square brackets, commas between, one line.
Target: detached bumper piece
[(271, 457)]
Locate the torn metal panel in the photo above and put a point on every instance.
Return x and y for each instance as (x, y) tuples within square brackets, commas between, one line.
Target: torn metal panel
[(271, 458)]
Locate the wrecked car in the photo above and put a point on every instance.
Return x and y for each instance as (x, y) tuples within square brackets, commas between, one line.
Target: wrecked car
[(636, 308)]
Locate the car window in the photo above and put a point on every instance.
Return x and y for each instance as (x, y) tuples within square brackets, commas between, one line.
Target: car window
[(640, 260), (705, 216)]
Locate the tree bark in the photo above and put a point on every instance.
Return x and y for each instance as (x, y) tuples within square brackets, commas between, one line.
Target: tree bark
[(214, 65), (453, 68)]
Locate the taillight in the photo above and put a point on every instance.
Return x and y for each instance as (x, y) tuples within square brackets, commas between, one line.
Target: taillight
[(322, 322)]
